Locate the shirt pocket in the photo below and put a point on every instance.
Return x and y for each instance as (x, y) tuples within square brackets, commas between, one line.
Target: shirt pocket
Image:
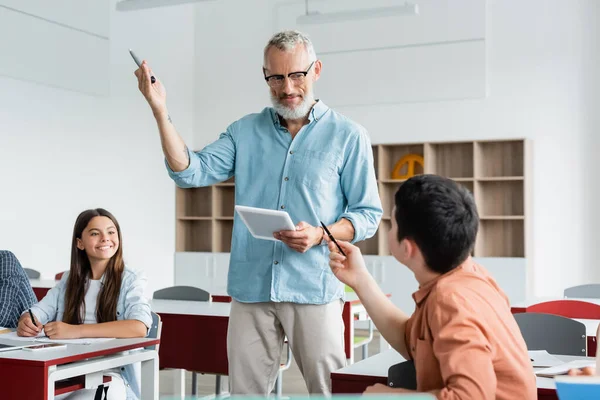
[(316, 169)]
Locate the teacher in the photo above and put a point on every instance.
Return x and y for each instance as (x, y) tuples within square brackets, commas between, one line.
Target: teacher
[(302, 157)]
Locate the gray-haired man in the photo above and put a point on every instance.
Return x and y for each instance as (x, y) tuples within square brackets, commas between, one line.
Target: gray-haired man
[(302, 157)]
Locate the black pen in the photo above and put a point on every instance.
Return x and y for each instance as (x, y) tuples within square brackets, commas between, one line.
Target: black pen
[(32, 319), (331, 237)]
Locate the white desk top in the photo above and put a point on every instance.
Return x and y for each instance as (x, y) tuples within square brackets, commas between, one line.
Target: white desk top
[(379, 364), (203, 308), (376, 365), (71, 350), (43, 283)]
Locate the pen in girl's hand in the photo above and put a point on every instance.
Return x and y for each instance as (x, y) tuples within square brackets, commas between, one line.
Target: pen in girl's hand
[(32, 318)]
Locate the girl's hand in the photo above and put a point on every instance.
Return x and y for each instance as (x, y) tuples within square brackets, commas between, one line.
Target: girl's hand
[(26, 327), (61, 330)]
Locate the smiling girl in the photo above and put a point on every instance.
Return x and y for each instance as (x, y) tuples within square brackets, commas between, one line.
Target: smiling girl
[(98, 297)]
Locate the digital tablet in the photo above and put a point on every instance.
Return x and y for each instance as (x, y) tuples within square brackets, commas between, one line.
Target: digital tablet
[(9, 347), (262, 223)]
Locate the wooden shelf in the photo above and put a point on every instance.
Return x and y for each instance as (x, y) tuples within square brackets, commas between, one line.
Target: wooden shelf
[(195, 202), (500, 178), (194, 235), (390, 154), (224, 201), (500, 158), (450, 159), (501, 217), (495, 171), (396, 181), (500, 198), (500, 238)]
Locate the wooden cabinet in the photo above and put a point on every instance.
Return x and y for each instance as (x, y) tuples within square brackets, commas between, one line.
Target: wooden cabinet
[(496, 172)]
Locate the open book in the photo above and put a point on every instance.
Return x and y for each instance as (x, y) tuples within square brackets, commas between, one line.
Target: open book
[(562, 369)]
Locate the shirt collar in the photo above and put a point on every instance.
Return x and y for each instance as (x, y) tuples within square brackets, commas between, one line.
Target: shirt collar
[(420, 295), (315, 113)]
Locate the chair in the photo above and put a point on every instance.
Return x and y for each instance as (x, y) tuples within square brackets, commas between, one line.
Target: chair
[(553, 333), (32, 273), (403, 375), (58, 276), (155, 329), (187, 293), (567, 308), (591, 291)]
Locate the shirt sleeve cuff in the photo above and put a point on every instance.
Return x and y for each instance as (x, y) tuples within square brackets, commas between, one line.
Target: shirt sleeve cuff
[(189, 171)]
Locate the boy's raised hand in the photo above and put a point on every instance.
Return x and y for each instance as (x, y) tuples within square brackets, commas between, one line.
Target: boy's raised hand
[(351, 270)]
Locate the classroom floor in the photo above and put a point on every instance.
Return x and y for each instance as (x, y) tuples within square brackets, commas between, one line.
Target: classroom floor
[(292, 379)]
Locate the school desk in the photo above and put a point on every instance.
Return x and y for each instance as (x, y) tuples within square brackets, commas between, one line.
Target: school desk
[(357, 377), (27, 375)]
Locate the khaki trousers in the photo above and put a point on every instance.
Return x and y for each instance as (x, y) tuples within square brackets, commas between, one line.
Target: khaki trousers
[(255, 339)]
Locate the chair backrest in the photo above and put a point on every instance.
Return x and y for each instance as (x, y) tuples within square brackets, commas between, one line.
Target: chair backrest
[(155, 329), (590, 291), (32, 273), (567, 308), (403, 375), (553, 333), (58, 276), (189, 293)]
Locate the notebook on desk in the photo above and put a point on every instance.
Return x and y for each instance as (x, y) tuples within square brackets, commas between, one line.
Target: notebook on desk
[(562, 369)]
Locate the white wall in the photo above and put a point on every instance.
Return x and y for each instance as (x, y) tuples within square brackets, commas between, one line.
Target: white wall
[(542, 80), (62, 152)]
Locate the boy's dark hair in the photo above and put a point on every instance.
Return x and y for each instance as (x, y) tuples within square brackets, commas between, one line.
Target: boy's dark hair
[(440, 216)]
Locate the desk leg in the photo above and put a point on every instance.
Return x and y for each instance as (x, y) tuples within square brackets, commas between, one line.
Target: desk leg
[(348, 319), (150, 378), (178, 382)]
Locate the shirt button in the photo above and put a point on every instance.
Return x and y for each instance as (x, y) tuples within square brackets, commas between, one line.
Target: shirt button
[(286, 179), (282, 207), (291, 152), (275, 262)]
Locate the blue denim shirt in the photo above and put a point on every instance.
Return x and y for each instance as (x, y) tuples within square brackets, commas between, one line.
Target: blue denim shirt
[(132, 304), (325, 173)]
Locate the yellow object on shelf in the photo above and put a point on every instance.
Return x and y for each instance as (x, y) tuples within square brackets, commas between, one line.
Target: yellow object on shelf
[(409, 160)]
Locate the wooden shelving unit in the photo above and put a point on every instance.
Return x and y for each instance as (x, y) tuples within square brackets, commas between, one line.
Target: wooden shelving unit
[(495, 171), (205, 218)]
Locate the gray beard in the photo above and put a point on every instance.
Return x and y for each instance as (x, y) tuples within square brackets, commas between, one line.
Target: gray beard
[(299, 112)]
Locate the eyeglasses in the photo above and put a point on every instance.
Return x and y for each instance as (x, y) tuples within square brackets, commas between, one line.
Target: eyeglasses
[(297, 78)]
